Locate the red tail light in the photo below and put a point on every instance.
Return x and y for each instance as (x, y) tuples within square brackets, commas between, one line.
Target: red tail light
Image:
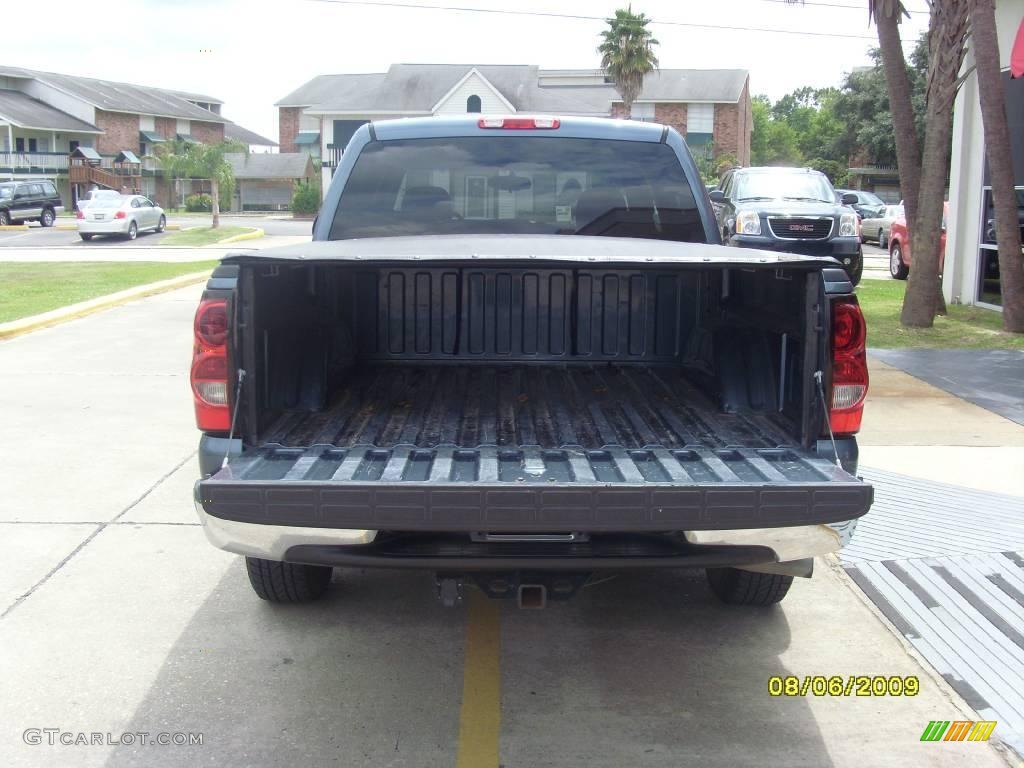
[(209, 375), (849, 367), (519, 123), (119, 215), (79, 215)]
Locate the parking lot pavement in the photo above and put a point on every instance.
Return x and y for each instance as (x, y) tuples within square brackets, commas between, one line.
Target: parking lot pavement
[(119, 617), (876, 262)]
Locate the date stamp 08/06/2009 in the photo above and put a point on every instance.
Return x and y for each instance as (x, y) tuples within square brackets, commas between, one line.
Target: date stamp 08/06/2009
[(839, 685)]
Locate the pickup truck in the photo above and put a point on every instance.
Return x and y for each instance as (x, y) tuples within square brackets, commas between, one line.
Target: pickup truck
[(515, 354)]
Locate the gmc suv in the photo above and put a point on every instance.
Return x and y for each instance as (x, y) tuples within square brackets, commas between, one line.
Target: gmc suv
[(791, 210), (29, 201)]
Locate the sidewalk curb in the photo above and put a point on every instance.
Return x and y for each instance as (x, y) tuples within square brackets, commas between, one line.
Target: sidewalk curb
[(255, 234), (13, 227), (83, 308)]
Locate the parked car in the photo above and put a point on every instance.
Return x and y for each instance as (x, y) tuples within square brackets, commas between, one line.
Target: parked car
[(124, 215), (788, 209), (899, 246), (96, 194), (864, 203), (459, 376), (877, 227), (22, 201)]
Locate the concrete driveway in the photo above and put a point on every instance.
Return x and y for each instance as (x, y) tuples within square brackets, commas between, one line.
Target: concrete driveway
[(117, 617)]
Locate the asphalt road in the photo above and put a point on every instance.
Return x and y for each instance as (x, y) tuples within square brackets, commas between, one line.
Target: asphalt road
[(117, 617), (39, 237)]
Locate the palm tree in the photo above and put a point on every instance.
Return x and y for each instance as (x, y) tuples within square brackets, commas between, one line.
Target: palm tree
[(946, 37), (997, 145), (947, 45), (627, 54)]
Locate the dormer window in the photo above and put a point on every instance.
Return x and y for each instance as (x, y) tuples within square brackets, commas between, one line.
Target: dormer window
[(473, 104)]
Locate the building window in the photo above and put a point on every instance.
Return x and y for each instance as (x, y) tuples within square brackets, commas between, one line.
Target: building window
[(700, 118), (473, 104), (642, 112), (72, 145), (32, 145), (19, 144)]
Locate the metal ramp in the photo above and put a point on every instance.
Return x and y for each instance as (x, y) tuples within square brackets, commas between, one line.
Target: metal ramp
[(945, 565)]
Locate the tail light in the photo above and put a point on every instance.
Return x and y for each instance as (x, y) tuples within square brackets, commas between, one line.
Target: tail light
[(79, 214), (119, 215), (519, 123), (849, 367), (209, 375)]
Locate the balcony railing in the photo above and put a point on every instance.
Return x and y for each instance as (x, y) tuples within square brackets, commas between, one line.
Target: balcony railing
[(28, 162), (333, 157)]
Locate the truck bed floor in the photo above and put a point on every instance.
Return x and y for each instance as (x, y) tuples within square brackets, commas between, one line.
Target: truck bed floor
[(508, 406)]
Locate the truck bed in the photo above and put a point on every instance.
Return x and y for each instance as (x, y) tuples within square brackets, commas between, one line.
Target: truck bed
[(546, 406)]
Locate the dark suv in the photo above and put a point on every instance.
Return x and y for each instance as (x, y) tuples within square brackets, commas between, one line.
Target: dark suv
[(788, 209), (29, 201)]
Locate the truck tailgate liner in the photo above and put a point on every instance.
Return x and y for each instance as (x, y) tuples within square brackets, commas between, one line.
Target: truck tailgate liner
[(449, 448)]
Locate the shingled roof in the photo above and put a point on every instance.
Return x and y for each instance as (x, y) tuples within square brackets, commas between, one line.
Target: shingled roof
[(417, 88)]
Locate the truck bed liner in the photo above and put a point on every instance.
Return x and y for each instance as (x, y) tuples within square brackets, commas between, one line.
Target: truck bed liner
[(547, 406), (546, 448)]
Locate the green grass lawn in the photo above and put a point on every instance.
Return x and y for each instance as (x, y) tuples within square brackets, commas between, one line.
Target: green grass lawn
[(963, 328), (28, 288), (198, 236)]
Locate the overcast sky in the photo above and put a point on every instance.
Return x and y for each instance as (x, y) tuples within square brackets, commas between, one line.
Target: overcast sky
[(250, 53)]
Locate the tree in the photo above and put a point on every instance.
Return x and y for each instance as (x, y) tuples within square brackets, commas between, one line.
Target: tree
[(997, 144), (947, 44), (772, 141), (174, 161), (206, 161), (627, 54)]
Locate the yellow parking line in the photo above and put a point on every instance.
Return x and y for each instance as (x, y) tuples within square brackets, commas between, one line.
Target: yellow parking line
[(480, 717)]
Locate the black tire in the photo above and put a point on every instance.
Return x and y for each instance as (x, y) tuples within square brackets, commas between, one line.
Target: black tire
[(84, 236), (47, 217), (161, 225), (883, 240), (133, 231), (5, 218), (287, 582), (897, 268), (735, 587)]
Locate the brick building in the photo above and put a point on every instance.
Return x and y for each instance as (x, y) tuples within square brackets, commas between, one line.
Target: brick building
[(44, 116), (710, 108)]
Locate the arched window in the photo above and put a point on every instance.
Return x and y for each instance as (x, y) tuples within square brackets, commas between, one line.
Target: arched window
[(473, 103)]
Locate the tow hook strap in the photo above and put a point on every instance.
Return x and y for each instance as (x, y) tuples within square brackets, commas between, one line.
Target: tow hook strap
[(819, 378), (234, 416)]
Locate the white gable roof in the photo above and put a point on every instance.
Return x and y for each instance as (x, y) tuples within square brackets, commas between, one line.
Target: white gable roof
[(472, 84)]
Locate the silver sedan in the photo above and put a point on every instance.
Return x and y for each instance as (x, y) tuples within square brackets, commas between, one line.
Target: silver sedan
[(877, 228), (126, 215)]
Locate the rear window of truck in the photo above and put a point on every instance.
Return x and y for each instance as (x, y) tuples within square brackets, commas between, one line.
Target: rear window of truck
[(517, 185)]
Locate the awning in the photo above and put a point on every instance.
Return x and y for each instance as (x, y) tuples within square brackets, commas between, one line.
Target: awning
[(187, 139), (87, 152), (126, 156), (308, 137), (149, 137)]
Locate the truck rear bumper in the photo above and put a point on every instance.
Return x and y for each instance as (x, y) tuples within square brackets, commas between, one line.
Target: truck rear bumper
[(360, 548)]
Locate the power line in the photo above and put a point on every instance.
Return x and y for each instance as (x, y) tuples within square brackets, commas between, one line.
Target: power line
[(862, 7), (552, 15)]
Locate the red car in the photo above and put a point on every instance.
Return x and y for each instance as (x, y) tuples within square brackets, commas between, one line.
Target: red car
[(899, 246)]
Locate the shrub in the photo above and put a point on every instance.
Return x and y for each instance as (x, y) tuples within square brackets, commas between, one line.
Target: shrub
[(306, 197), (199, 203)]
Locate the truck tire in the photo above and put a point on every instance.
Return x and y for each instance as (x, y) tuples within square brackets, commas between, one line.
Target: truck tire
[(47, 217), (736, 587), (287, 582), (856, 270)]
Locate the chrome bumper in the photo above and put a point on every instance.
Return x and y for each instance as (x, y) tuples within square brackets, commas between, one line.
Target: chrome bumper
[(270, 542)]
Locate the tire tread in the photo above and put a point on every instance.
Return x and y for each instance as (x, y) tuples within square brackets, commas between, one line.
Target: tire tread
[(278, 582), (737, 587)]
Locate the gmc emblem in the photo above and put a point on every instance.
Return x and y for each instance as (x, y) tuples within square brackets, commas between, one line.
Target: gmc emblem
[(801, 227)]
